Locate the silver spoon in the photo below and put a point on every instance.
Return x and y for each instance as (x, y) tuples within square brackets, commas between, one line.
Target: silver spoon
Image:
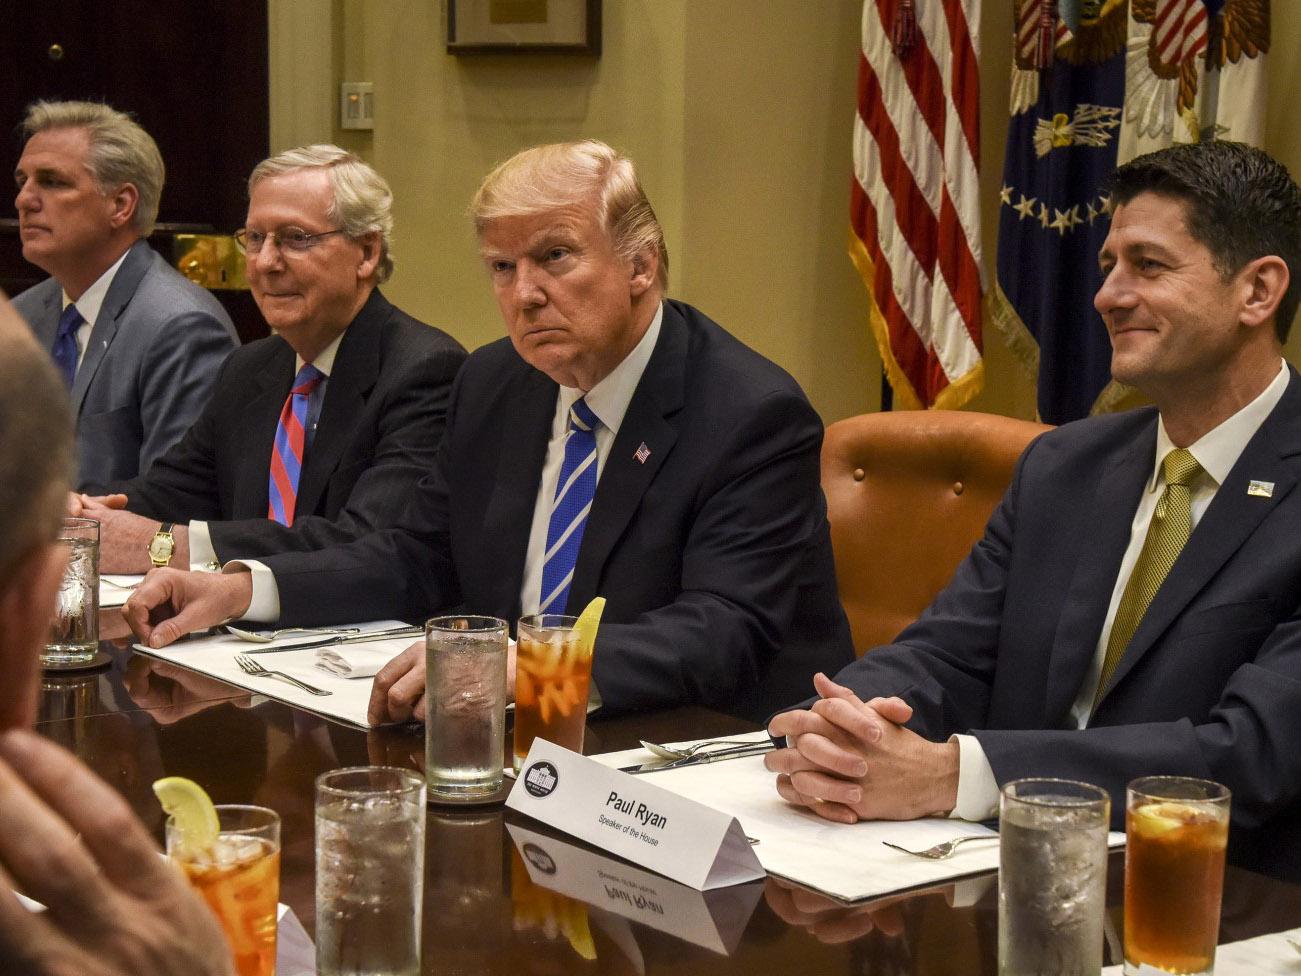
[(253, 637), (686, 752)]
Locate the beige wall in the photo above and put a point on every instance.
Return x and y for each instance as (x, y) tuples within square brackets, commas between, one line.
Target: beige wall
[(738, 113)]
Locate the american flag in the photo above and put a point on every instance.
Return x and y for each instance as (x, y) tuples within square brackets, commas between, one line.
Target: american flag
[(915, 214)]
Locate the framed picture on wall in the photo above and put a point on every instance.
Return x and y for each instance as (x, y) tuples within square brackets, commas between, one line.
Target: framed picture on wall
[(524, 26)]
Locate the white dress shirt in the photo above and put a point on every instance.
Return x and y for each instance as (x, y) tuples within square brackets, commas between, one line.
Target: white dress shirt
[(1217, 452), (89, 304), (608, 399)]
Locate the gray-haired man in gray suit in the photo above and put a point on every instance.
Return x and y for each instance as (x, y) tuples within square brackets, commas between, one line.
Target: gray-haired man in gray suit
[(138, 344)]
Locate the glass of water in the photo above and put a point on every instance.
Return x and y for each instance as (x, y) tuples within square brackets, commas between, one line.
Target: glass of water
[(1052, 877), (465, 706), (370, 869), (74, 632)]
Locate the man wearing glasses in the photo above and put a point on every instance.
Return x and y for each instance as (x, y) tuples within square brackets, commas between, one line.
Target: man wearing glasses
[(317, 434), (138, 345)]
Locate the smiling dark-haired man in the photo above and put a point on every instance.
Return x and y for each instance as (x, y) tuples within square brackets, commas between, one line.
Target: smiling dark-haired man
[(1134, 607)]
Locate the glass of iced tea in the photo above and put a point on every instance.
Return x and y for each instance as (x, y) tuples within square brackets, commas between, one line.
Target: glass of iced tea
[(552, 672), (1176, 832), (239, 878)]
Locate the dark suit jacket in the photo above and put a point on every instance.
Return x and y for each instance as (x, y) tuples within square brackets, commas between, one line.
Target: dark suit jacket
[(1210, 685), (714, 555), (150, 362), (381, 420)]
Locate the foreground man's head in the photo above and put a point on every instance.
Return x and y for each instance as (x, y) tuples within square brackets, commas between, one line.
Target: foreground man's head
[(36, 467), (576, 256)]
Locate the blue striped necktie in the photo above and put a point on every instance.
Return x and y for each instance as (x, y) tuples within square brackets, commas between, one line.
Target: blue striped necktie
[(569, 508), (65, 343)]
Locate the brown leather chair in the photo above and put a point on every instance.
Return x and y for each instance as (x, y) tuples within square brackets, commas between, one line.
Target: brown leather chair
[(908, 494)]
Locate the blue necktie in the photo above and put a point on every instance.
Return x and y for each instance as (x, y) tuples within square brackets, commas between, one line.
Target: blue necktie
[(65, 343), (574, 491)]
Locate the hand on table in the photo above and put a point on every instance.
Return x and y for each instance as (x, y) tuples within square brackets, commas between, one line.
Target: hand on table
[(171, 603), (124, 537), (398, 694), (69, 840), (853, 760)]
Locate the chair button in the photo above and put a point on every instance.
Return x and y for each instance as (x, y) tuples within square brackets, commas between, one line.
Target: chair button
[(958, 488), (859, 474)]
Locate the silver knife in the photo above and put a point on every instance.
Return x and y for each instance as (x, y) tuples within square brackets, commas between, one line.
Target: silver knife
[(373, 635), (737, 752)]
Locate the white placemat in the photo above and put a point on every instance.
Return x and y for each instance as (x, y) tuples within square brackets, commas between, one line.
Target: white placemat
[(114, 588), (845, 861), (215, 656)]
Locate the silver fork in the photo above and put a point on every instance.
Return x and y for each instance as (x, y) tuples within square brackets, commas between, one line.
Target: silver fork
[(686, 752), (249, 666), (941, 851)]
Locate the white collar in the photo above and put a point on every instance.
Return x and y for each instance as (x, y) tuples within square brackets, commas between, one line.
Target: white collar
[(1218, 450), (324, 360), (92, 299), (610, 397)]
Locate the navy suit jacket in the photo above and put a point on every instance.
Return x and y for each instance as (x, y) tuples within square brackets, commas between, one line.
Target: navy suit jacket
[(381, 420), (1210, 684), (714, 553), (150, 362)]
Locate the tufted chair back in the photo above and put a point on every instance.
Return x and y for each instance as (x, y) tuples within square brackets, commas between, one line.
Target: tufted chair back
[(908, 494)]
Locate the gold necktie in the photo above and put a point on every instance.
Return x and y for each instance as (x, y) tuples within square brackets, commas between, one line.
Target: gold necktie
[(1171, 524)]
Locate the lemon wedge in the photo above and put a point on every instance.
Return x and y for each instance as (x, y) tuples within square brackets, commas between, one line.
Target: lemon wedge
[(588, 622), (1157, 819), (189, 806)]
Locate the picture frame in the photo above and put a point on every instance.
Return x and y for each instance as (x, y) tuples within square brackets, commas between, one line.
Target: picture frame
[(524, 27)]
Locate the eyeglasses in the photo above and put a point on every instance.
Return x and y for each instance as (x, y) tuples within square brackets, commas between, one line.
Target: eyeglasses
[(290, 240)]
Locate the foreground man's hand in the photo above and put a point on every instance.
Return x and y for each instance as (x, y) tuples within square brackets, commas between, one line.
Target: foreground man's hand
[(853, 760), (171, 603), (116, 908)]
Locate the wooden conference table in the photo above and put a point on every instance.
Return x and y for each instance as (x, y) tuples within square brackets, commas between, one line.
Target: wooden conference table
[(141, 719)]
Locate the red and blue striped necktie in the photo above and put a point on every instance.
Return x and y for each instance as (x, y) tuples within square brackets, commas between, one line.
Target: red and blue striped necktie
[(290, 443)]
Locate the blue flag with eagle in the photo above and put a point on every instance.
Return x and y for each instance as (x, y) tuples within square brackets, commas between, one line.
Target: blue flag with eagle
[(1094, 83)]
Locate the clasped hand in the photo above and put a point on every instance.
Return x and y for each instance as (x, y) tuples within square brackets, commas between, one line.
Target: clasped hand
[(851, 760)]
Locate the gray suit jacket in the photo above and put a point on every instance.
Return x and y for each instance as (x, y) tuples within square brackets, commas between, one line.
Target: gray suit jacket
[(149, 366)]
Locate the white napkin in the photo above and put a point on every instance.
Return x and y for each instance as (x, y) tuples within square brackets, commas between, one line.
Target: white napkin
[(115, 588)]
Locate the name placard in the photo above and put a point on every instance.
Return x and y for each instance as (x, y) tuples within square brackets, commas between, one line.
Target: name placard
[(633, 818)]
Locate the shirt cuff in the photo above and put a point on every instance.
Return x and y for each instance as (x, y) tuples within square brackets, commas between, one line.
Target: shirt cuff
[(202, 555), (264, 607), (977, 787)]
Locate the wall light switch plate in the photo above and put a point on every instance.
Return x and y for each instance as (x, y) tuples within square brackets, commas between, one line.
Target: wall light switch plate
[(357, 105)]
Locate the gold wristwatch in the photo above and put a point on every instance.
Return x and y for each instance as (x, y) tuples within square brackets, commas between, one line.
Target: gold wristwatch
[(162, 545)]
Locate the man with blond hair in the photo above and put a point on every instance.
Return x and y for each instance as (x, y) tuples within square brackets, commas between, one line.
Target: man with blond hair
[(317, 434), (69, 840), (138, 344), (617, 443)]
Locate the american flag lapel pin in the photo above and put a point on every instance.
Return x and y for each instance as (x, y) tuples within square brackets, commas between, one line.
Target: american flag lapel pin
[(1260, 489), (642, 453)]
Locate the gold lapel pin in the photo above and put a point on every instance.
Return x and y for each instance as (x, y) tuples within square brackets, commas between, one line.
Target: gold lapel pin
[(1260, 489)]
